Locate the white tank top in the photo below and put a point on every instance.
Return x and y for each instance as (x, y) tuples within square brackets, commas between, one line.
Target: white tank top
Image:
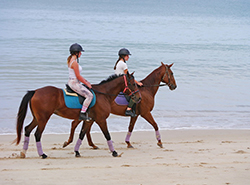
[(72, 72)]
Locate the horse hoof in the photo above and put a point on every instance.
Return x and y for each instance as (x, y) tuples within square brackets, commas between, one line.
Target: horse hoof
[(44, 156), (95, 147), (65, 144), (22, 155), (130, 146), (77, 154), (160, 145), (115, 154)]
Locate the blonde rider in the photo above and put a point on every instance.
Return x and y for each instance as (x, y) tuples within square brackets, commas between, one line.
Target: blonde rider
[(75, 79)]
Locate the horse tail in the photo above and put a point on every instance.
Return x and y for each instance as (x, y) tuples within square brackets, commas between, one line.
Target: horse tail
[(22, 114)]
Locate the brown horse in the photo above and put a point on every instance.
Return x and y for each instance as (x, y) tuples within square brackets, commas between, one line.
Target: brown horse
[(48, 100), (150, 87)]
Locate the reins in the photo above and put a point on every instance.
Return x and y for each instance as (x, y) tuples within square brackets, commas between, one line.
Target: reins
[(160, 85), (103, 92), (126, 86)]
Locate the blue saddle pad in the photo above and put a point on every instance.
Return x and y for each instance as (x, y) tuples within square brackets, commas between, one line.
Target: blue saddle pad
[(73, 101), (121, 100)]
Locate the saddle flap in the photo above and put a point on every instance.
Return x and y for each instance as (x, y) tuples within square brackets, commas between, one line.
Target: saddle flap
[(74, 100), (121, 99)]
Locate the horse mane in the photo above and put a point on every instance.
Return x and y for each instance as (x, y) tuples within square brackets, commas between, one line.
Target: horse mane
[(150, 79), (110, 78)]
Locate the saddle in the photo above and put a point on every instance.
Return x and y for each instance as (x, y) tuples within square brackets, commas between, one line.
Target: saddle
[(75, 100), (71, 92)]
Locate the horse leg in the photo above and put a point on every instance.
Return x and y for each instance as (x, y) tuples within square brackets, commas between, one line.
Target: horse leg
[(130, 130), (105, 131), (74, 124), (151, 120), (28, 130), (38, 135), (85, 127), (90, 140)]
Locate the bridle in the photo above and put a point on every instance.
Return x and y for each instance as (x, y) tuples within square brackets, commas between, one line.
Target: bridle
[(166, 73), (162, 79), (131, 93)]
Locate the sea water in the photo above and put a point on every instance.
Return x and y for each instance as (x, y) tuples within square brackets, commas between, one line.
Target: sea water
[(208, 42)]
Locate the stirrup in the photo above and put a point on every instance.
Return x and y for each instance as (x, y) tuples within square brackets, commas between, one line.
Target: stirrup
[(84, 116)]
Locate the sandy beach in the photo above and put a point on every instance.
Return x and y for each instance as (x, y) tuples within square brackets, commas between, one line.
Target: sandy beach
[(188, 157)]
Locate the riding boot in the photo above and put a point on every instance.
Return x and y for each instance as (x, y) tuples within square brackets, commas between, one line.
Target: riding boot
[(130, 113), (84, 116)]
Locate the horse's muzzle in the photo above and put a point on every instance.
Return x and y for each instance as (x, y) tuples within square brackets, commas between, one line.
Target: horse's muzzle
[(135, 98), (172, 87)]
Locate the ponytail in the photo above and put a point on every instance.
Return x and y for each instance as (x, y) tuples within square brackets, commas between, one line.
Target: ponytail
[(70, 56), (121, 57)]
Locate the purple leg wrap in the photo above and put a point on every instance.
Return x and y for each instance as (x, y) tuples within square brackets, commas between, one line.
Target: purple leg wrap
[(78, 144), (111, 147), (39, 148), (26, 143), (158, 136), (128, 136)]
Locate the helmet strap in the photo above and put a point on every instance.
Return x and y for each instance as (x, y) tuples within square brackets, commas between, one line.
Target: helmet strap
[(123, 59)]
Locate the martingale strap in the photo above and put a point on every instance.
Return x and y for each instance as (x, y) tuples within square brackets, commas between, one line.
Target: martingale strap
[(127, 88), (126, 84)]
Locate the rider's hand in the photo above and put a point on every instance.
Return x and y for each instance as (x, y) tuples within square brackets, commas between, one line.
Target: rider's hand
[(139, 83), (89, 85)]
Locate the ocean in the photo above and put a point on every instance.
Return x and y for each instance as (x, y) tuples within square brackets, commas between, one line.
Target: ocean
[(208, 42)]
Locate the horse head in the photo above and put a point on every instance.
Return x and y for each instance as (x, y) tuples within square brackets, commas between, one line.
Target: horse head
[(131, 88), (168, 76)]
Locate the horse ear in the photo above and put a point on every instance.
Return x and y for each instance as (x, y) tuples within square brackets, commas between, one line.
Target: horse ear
[(130, 74), (171, 65), (162, 63)]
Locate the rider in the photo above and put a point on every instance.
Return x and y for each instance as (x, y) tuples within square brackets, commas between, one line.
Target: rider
[(122, 68), (75, 78)]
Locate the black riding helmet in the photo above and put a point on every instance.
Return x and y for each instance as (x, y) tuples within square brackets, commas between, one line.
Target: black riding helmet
[(124, 51), (75, 48)]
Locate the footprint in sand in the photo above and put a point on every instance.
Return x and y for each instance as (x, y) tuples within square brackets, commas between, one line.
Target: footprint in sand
[(240, 152)]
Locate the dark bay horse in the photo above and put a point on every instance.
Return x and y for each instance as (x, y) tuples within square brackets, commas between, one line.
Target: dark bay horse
[(49, 100), (150, 87)]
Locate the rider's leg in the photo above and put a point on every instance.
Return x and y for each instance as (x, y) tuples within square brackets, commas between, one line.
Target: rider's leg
[(129, 111), (89, 96)]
